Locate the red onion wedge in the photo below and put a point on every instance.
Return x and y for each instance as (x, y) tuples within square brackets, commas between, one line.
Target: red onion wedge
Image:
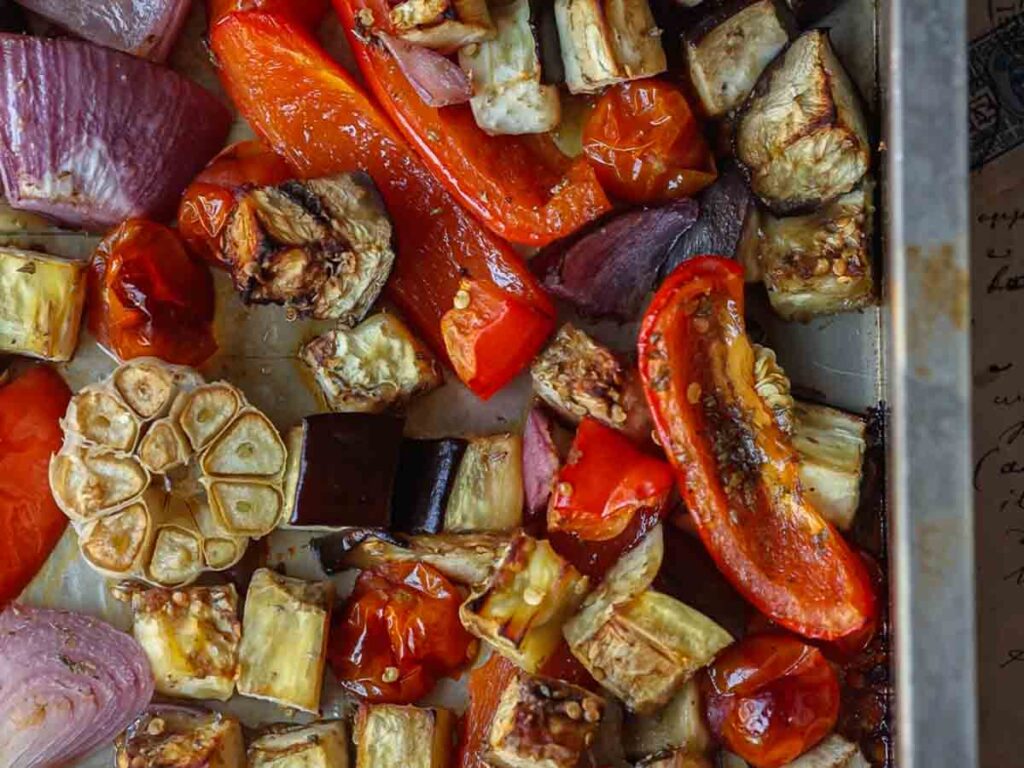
[(540, 459), (438, 80), (146, 28), (91, 136), (608, 270), (69, 683)]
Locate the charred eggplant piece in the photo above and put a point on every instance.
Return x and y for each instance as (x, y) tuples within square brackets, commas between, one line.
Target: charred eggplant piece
[(467, 558), (819, 264), (488, 490), (166, 736), (801, 137), (341, 470), (607, 42), (375, 366), (426, 475), (321, 247), (727, 225), (676, 728), (444, 25), (318, 745), (389, 736), (509, 96), (580, 378), (545, 722), (608, 271), (727, 51)]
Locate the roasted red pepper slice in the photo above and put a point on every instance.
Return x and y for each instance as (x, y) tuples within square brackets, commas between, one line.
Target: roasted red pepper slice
[(486, 684), (399, 633), (521, 187), (210, 198), (604, 483), (770, 698), (31, 407), (305, 12), (312, 114), (737, 470), (148, 296)]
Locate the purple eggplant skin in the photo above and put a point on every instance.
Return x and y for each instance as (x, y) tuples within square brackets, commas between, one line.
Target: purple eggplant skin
[(145, 28), (810, 11), (426, 475), (608, 270), (330, 550), (90, 136), (728, 214)]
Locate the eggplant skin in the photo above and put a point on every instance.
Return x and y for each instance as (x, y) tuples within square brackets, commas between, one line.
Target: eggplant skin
[(801, 137), (426, 474), (729, 49)]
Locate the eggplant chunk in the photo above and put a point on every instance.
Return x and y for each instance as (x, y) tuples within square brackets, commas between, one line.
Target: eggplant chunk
[(394, 736), (541, 722), (321, 247), (819, 263), (833, 752), (677, 727), (426, 475), (341, 470), (607, 42), (444, 25), (676, 758), (375, 366), (488, 491), (801, 136), (168, 736), (727, 51), (509, 96), (318, 745)]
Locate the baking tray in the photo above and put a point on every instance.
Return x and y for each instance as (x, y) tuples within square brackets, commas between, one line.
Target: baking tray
[(911, 354)]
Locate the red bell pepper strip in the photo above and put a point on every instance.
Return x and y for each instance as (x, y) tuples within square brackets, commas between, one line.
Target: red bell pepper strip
[(309, 110), (605, 482), (306, 12), (521, 187), (31, 407), (737, 470)]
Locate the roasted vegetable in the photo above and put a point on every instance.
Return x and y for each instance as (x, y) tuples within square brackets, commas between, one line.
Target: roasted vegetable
[(801, 136), (488, 490), (398, 634), (605, 483), (819, 263), (543, 722), (540, 460), (678, 727), (640, 644), (809, 11), (521, 609), (321, 247), (727, 224), (446, 25), (341, 470), (468, 558), (737, 469), (177, 737), (426, 473), (389, 735), (608, 271), (770, 698), (729, 48), (41, 300), (308, 13), (645, 143), (607, 42), (191, 638), (317, 118), (437, 80), (317, 745), (831, 444), (677, 758), (375, 366), (579, 378), (509, 94), (284, 640)]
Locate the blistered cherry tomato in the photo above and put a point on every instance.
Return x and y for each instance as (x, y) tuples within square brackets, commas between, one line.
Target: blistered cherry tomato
[(645, 143), (147, 296), (210, 197), (398, 634), (770, 698)]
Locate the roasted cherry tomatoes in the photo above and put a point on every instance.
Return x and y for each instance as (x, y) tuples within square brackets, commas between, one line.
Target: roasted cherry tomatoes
[(645, 143), (605, 482), (770, 698), (147, 296), (210, 197), (399, 633), (31, 407)]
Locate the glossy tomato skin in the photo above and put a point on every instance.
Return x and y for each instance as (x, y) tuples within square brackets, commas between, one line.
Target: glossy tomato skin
[(645, 143), (398, 634), (31, 407), (211, 196), (770, 698), (148, 296)]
